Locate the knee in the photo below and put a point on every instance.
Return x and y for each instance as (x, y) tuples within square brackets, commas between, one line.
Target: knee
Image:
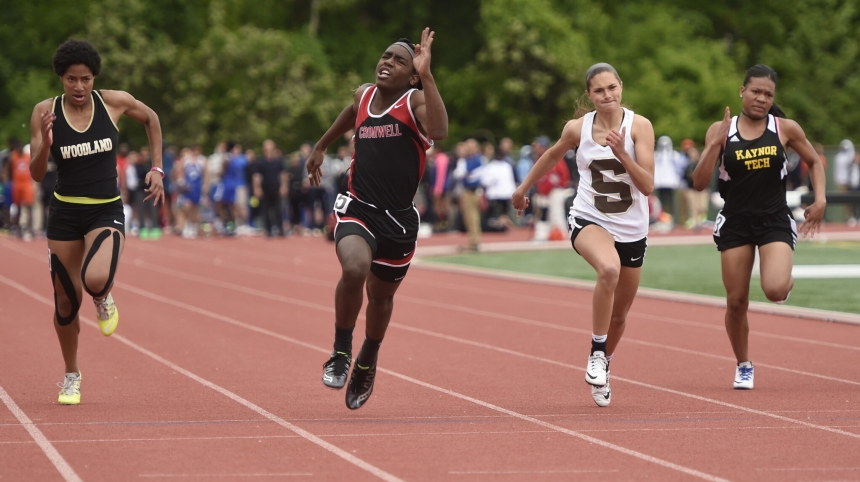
[(737, 304), (607, 274), (380, 300), (354, 272), (95, 283), (776, 293)]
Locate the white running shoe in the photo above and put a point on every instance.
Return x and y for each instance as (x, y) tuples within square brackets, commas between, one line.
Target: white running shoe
[(744, 375), (602, 395), (595, 374)]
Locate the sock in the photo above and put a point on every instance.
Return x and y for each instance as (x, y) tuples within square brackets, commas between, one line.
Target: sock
[(368, 353), (598, 343), (343, 339), (609, 359)]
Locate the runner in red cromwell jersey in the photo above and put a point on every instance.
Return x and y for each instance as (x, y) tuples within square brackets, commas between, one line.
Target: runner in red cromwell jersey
[(396, 120)]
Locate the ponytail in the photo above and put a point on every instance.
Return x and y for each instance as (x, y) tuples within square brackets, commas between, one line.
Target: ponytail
[(776, 111), (583, 106)]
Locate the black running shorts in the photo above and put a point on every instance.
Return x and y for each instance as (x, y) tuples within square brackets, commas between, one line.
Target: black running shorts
[(631, 254), (71, 221), (391, 235), (734, 230)]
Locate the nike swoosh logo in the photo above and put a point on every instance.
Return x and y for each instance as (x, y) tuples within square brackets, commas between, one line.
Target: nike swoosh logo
[(589, 376), (397, 106), (635, 259), (117, 222)]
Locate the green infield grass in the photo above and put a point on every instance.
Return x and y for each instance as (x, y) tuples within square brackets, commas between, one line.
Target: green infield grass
[(691, 269)]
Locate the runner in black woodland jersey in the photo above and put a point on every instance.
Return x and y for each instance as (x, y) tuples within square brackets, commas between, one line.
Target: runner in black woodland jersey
[(395, 121), (750, 152), (86, 225)]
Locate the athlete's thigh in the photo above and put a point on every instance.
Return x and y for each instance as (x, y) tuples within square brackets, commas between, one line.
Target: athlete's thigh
[(737, 265), (354, 252), (66, 258), (597, 247), (377, 288), (625, 291), (102, 250), (776, 260)]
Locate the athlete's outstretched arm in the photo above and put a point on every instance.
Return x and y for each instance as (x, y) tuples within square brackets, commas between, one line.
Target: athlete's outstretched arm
[(714, 143), (570, 137), (120, 103), (641, 170), (41, 138), (428, 106), (796, 139), (344, 122)]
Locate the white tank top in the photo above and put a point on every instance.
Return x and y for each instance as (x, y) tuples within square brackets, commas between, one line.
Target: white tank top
[(606, 194)]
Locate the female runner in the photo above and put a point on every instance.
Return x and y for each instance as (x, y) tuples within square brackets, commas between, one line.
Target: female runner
[(608, 221), (750, 151), (86, 223)]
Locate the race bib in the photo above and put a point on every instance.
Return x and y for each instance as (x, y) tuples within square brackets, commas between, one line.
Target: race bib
[(341, 202)]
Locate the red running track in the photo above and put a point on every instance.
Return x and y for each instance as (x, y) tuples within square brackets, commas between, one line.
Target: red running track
[(214, 374)]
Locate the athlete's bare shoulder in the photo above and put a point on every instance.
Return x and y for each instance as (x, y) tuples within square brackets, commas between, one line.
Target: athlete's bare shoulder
[(360, 91), (44, 106), (571, 135), (642, 129)]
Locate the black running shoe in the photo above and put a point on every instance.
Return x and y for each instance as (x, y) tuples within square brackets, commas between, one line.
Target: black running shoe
[(360, 386), (336, 369)]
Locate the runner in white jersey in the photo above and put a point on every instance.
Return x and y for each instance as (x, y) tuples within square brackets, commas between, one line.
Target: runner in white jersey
[(609, 217)]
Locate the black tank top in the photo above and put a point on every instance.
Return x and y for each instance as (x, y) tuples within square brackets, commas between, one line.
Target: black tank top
[(389, 154), (86, 160), (752, 172)]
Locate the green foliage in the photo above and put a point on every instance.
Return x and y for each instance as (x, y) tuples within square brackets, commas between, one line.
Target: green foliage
[(251, 69)]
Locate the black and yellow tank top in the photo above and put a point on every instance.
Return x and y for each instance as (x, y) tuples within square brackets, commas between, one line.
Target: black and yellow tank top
[(86, 160), (753, 172)]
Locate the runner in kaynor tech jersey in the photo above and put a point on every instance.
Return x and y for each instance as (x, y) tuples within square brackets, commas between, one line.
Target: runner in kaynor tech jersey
[(750, 151), (608, 221)]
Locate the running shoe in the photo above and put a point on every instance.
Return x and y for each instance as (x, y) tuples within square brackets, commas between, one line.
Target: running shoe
[(595, 373), (360, 385), (107, 314), (602, 395), (744, 375), (70, 389), (336, 369)]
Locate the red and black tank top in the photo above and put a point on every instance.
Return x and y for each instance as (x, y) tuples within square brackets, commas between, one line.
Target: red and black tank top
[(753, 172), (390, 153), (86, 160)]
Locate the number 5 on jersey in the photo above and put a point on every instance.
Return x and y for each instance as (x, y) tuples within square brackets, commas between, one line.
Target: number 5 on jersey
[(617, 195)]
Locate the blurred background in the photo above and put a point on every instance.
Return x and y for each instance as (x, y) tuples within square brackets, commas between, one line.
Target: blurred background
[(226, 75)]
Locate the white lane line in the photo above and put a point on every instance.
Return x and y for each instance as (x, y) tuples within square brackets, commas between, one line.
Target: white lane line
[(466, 342), (236, 398), (464, 309), (281, 474), (527, 472), (59, 462), (322, 443), (359, 419), (556, 302), (427, 434), (646, 385), (490, 406), (652, 293)]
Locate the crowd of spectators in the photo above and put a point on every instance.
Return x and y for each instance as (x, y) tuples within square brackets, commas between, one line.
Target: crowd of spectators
[(238, 190)]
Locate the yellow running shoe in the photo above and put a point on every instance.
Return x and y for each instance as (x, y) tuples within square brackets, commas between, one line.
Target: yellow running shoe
[(107, 314), (70, 393)]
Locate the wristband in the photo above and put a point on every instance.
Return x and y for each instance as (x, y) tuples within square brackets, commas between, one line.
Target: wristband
[(159, 170)]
